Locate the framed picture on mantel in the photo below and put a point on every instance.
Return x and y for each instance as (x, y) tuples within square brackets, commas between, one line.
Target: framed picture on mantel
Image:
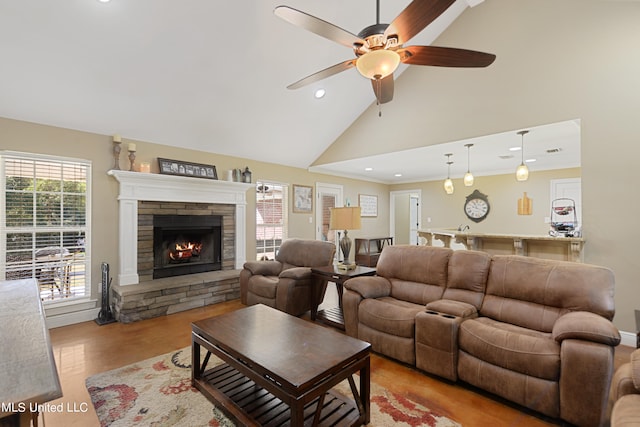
[(195, 170)]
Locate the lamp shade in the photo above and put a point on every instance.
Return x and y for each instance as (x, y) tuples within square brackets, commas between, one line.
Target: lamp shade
[(347, 218), (378, 64)]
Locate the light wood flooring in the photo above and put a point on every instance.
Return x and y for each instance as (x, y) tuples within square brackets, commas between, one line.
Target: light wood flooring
[(86, 349)]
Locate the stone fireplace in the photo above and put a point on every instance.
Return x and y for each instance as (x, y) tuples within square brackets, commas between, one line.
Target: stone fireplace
[(160, 216)]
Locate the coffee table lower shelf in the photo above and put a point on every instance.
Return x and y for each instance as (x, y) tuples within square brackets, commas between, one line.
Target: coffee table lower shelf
[(250, 404)]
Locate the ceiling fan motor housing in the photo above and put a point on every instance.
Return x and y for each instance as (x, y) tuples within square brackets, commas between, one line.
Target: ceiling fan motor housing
[(375, 39)]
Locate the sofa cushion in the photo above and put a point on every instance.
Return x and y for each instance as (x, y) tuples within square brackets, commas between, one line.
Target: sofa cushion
[(264, 286), (415, 292), (389, 315), (534, 293), (418, 273), (511, 347), (467, 277)]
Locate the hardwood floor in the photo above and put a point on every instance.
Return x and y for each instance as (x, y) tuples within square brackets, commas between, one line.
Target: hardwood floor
[(86, 349)]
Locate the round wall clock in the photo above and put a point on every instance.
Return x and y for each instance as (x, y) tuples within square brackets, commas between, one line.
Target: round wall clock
[(477, 206)]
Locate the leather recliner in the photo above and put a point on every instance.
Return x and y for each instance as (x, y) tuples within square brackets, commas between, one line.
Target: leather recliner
[(287, 284), (624, 395)]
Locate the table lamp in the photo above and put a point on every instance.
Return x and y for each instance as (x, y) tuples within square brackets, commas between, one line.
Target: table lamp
[(347, 218)]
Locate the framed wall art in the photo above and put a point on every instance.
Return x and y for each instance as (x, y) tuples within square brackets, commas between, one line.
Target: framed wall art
[(195, 170), (302, 198), (368, 205)]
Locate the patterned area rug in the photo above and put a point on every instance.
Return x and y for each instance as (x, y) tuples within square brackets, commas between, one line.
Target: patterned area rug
[(157, 392)]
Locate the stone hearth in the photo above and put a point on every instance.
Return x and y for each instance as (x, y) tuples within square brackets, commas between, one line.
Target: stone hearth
[(173, 294)]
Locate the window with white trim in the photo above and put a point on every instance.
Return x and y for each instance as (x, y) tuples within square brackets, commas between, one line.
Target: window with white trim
[(271, 218), (45, 226)]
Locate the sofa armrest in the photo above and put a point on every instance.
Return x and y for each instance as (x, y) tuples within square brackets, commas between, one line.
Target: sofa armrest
[(453, 308), (265, 268), (369, 286), (583, 325), (296, 273)]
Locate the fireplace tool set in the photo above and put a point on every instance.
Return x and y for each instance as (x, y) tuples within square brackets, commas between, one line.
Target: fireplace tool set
[(105, 316)]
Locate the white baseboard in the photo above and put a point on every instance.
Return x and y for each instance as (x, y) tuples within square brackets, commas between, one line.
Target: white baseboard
[(66, 319)]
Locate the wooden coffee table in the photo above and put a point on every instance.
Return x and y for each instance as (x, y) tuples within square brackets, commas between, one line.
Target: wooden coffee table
[(280, 369)]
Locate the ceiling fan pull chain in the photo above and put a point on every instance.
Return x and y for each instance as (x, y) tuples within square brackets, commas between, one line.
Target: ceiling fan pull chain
[(379, 94)]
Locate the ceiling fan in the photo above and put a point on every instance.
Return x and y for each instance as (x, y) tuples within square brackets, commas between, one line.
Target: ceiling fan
[(379, 47)]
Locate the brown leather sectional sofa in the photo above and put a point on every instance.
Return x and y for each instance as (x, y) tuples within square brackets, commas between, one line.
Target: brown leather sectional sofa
[(536, 332)]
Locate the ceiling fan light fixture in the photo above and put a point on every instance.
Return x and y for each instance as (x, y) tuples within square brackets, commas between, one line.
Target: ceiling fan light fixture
[(378, 63)]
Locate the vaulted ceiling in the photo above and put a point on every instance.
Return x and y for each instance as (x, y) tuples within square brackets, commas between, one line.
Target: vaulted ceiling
[(203, 75)]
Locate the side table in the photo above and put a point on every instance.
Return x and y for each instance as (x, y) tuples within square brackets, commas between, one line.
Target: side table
[(333, 316)]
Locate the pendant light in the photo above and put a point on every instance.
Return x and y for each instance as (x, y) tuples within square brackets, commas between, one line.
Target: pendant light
[(522, 172), (448, 184), (468, 177)]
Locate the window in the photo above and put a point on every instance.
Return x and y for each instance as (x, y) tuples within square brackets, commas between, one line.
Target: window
[(45, 227), (271, 218)]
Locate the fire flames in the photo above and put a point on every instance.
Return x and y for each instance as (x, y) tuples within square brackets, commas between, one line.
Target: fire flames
[(184, 251)]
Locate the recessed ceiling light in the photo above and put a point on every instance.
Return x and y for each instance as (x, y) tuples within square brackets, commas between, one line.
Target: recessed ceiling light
[(104, 1), (515, 148), (319, 93), (368, 169), (530, 160), (398, 175)]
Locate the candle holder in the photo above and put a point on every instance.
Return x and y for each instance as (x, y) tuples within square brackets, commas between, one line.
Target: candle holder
[(132, 160), (117, 147)]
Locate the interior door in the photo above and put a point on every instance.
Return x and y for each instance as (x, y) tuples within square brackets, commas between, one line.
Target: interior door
[(404, 215)]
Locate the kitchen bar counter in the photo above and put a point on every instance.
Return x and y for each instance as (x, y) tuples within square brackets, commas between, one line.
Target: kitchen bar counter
[(27, 368), (559, 248)]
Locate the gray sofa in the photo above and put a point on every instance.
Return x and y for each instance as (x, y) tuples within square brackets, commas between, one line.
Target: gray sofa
[(533, 331)]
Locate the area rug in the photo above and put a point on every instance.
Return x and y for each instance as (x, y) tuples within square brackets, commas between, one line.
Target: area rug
[(157, 392)]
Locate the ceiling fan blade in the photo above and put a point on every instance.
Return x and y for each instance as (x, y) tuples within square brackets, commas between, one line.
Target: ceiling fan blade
[(383, 89), (327, 72), (415, 17), (317, 26), (445, 56)]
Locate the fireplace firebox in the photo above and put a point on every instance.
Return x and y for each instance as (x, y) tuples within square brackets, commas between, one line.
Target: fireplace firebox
[(186, 244)]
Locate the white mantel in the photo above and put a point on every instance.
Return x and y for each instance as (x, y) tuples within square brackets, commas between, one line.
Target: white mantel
[(136, 186)]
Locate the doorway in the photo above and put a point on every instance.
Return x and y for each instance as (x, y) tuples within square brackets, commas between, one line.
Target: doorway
[(405, 216), (327, 196)]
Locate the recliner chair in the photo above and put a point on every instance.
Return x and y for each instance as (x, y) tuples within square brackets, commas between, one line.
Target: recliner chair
[(286, 283), (624, 394)]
